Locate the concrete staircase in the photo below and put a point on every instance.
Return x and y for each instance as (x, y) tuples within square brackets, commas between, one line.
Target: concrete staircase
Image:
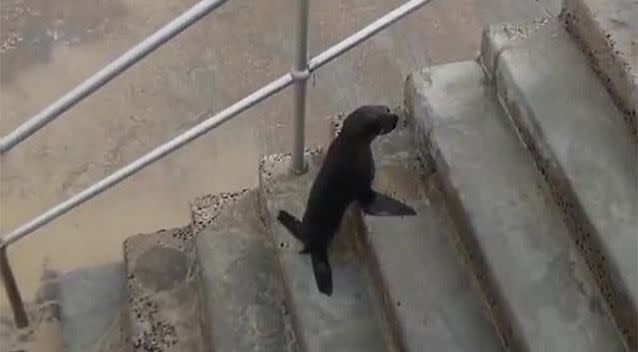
[(523, 169)]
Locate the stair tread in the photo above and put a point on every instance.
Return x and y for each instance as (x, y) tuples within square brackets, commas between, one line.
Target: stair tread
[(91, 303), (512, 228), (242, 283), (574, 128), (607, 30), (163, 292), (347, 320), (431, 292)]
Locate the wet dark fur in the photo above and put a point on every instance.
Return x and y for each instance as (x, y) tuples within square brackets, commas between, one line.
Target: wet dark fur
[(345, 176)]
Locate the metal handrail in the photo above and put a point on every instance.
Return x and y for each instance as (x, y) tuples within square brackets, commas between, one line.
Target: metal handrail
[(298, 75)]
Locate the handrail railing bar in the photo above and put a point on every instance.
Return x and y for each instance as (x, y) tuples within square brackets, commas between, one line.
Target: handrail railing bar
[(157, 153), (214, 121), (108, 72)]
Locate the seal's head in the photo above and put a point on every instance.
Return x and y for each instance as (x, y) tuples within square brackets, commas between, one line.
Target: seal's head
[(369, 121)]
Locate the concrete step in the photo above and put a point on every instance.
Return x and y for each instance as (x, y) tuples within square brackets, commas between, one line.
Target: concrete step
[(76, 311), (92, 306), (429, 291), (607, 31), (346, 321), (537, 284), (241, 276), (165, 312), (206, 209), (576, 134)]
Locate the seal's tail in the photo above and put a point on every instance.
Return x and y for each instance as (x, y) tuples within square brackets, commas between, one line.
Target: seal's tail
[(320, 265), (292, 224), (321, 268)]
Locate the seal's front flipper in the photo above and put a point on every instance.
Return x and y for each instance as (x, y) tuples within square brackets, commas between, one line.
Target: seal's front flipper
[(383, 205), (291, 224)]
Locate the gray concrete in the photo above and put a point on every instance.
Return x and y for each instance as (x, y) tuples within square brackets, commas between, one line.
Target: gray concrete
[(79, 310), (543, 295), (608, 32), (431, 292), (581, 146), (346, 321), (205, 209), (164, 309), (91, 301), (243, 286)]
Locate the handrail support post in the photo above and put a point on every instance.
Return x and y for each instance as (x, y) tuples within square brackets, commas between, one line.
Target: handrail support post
[(15, 300), (300, 73)]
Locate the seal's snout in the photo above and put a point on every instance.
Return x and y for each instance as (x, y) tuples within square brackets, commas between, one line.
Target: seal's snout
[(388, 123), (369, 121)]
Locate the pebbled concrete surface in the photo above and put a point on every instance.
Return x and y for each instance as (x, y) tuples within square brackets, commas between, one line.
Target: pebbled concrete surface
[(586, 154), (206, 209), (163, 293), (436, 302), (243, 286), (48, 47), (347, 320), (607, 31), (536, 281)]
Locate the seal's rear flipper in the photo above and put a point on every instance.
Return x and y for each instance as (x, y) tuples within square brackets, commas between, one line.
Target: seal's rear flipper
[(322, 271), (291, 224), (383, 205)]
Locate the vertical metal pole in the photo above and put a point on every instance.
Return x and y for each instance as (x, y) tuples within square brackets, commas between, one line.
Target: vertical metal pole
[(17, 306), (300, 73)]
